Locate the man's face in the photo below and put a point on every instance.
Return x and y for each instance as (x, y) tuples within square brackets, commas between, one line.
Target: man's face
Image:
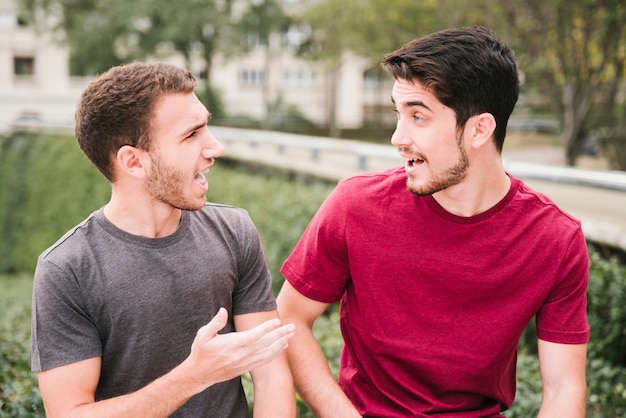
[(427, 138), (183, 150)]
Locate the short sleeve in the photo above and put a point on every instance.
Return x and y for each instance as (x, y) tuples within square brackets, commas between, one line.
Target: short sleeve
[(62, 331)]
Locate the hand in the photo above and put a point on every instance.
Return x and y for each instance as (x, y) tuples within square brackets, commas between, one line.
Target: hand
[(219, 357)]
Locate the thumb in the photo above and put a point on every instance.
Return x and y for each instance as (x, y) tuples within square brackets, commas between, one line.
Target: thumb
[(214, 326)]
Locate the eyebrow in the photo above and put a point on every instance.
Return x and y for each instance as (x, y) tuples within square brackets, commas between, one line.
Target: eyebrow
[(201, 125), (413, 103)]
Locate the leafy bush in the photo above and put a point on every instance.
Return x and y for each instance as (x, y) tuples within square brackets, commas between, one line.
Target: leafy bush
[(19, 394), (47, 186), (60, 187), (606, 307), (280, 207)]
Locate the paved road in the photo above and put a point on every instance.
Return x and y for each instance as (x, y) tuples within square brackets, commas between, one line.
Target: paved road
[(602, 211)]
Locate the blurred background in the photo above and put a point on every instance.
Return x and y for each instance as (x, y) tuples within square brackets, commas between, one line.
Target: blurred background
[(283, 77), (312, 66)]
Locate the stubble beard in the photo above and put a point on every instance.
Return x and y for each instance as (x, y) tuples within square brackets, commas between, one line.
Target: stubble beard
[(449, 177), (166, 185)]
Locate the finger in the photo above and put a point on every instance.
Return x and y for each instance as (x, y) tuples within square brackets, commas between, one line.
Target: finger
[(211, 329), (273, 346), (263, 330), (275, 341)]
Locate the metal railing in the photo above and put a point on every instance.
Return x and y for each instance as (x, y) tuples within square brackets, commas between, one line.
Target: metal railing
[(364, 153)]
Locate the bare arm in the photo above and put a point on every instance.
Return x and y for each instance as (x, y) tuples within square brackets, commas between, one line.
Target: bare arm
[(312, 376), (563, 377), (69, 390), (274, 395)]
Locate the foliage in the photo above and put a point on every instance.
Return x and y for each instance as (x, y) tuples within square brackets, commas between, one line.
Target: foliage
[(576, 51), (572, 51), (606, 306), (101, 34), (528, 390), (606, 392), (19, 394), (265, 195), (46, 187), (60, 188)]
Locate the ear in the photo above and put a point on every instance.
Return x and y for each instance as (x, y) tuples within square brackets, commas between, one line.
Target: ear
[(131, 161), (482, 127)]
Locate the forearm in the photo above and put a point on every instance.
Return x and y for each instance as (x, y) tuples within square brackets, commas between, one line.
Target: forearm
[(313, 378), (160, 398), (563, 377), (274, 395), (566, 402)]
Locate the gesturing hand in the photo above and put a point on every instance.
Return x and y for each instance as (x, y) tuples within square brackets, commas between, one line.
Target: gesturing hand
[(218, 357)]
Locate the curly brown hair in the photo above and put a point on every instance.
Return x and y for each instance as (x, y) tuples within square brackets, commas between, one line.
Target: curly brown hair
[(117, 109)]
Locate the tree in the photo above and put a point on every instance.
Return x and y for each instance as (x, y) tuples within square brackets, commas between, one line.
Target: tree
[(346, 29), (103, 33), (576, 50), (91, 35), (261, 20), (328, 24)]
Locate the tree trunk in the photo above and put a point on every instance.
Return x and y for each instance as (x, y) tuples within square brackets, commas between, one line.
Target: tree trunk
[(331, 101), (575, 102)]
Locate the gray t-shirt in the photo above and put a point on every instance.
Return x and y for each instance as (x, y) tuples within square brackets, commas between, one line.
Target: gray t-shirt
[(138, 302)]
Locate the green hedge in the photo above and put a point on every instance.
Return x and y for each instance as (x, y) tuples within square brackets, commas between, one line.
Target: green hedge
[(47, 186)]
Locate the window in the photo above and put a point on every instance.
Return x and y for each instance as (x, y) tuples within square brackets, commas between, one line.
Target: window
[(375, 78), (8, 20), (252, 78), (298, 78), (24, 66)]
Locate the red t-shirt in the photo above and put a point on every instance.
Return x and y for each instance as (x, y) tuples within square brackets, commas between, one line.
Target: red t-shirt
[(433, 304)]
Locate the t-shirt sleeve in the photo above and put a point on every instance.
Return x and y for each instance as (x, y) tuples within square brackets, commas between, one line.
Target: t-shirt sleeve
[(60, 323), (254, 289), (318, 267), (563, 317)]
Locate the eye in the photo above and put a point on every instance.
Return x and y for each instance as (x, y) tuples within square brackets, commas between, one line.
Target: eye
[(419, 118)]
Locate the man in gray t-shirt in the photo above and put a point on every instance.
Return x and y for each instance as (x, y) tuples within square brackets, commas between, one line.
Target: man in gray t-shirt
[(158, 302)]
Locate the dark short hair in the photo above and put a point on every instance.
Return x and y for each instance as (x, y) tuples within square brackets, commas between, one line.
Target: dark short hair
[(117, 108), (468, 70)]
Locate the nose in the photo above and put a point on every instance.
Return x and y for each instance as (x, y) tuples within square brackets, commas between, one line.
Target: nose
[(401, 137), (212, 148)]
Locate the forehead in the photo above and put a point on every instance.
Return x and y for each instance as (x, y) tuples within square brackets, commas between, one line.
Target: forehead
[(412, 93), (176, 112), (177, 105)]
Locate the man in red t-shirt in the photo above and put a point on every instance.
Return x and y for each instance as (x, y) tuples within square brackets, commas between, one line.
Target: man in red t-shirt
[(440, 265)]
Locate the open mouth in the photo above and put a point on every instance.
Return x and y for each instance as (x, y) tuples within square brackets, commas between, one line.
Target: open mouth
[(201, 179), (414, 162)]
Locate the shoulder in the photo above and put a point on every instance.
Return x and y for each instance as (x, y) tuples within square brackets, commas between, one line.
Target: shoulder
[(223, 220), (72, 241), (377, 179), (539, 203), (536, 212), (371, 185), (212, 208)]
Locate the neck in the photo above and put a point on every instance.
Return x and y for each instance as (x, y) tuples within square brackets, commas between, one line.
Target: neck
[(142, 216), (481, 190)]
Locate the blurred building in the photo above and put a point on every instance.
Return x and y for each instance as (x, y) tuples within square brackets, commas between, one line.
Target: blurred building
[(35, 84), (34, 74)]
